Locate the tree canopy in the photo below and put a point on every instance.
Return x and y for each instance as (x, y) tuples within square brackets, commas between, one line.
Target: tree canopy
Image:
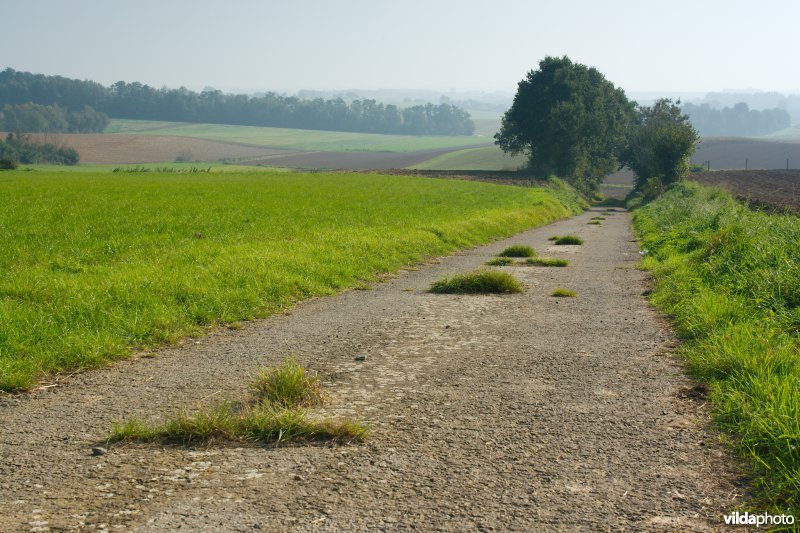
[(569, 120), (659, 145)]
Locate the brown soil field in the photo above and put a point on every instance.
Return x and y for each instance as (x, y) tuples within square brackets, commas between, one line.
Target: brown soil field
[(354, 160), (775, 189), (730, 153), (99, 148)]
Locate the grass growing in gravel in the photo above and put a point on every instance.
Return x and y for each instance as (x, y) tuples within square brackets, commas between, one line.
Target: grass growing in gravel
[(546, 262), (518, 250), (594, 223), (568, 239), (289, 385), (274, 414), (500, 261), (563, 293), (478, 282), (730, 278), (598, 218), (95, 265)]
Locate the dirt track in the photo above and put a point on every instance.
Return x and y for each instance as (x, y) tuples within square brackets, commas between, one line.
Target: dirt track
[(518, 412)]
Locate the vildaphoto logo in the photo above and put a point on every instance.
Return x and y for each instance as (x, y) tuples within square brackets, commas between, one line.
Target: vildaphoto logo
[(758, 519)]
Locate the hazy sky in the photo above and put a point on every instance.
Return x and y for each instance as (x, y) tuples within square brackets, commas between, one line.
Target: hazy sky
[(675, 46)]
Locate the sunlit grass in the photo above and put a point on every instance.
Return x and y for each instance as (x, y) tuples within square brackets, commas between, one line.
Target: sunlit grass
[(518, 250), (478, 282), (275, 413), (730, 278), (95, 265)]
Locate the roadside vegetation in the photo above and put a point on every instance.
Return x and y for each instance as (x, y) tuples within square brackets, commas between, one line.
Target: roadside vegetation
[(478, 282), (276, 412), (96, 265), (730, 278)]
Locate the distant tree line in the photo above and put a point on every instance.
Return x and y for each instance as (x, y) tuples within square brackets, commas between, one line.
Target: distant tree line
[(34, 118), (22, 148), (738, 120), (138, 101)]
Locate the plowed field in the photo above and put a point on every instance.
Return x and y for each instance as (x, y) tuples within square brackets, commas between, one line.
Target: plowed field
[(777, 189)]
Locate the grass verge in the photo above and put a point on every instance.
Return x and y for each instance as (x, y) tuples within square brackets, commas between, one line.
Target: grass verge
[(275, 414), (95, 265), (518, 250), (730, 279), (478, 282)]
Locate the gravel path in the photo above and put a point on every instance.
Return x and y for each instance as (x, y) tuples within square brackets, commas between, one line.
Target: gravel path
[(521, 412)]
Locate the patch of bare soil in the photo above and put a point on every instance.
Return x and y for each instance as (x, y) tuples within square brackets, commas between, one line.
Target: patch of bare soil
[(521, 412), (120, 148), (774, 189)]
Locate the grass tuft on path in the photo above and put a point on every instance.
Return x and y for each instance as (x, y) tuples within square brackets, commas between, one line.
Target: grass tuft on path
[(563, 293), (478, 282), (275, 414), (500, 261), (730, 279), (546, 262), (567, 240), (518, 250)]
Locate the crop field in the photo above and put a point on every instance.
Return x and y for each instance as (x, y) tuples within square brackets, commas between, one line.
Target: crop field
[(777, 189), (110, 149), (95, 265), (311, 140), (483, 158), (733, 153)]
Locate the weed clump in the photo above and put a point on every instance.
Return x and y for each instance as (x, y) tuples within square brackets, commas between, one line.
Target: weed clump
[(563, 293), (289, 385), (518, 250), (274, 413), (568, 239), (546, 262), (594, 223), (478, 282), (500, 261)]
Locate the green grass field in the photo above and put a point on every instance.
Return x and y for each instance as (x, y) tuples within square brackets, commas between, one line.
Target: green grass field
[(295, 139), (730, 278), (486, 158), (94, 265)]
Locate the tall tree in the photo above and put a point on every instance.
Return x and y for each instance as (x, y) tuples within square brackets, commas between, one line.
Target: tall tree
[(659, 146), (569, 120)]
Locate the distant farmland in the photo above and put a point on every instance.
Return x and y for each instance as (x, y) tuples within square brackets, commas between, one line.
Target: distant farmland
[(139, 141), (778, 189), (736, 152)]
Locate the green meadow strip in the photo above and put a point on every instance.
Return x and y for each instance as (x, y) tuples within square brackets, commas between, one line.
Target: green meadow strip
[(95, 265), (730, 278)]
